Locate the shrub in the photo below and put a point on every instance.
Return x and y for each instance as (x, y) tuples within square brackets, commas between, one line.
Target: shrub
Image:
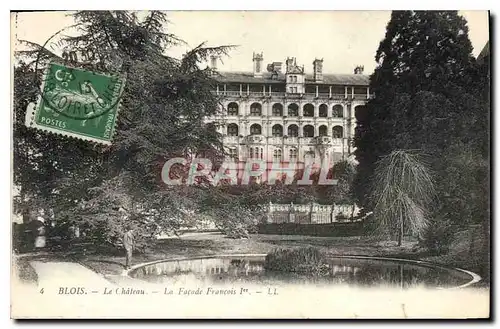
[(310, 260), (438, 237), (341, 217), (236, 221)]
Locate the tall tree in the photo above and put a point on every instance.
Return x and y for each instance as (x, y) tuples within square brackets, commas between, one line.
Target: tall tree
[(163, 111), (429, 96), (424, 54)]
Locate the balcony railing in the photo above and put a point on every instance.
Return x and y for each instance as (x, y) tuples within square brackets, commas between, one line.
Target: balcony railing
[(231, 139), (229, 93), (290, 95), (277, 140), (255, 139), (307, 140)]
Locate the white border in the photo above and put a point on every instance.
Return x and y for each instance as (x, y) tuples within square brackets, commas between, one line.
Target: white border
[(196, 5), (258, 5)]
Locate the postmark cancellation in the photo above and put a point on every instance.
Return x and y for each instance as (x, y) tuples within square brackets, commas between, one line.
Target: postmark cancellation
[(77, 103)]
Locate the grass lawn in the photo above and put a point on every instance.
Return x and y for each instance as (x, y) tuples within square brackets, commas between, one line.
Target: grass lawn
[(111, 261), (214, 244)]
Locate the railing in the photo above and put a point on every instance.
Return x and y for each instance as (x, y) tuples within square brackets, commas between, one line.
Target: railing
[(291, 140), (242, 116), (307, 140), (283, 140), (311, 213), (337, 141), (323, 140), (275, 140), (273, 94), (229, 93), (361, 96), (255, 139), (231, 139)]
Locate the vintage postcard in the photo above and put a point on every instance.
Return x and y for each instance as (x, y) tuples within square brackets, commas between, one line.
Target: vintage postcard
[(250, 165)]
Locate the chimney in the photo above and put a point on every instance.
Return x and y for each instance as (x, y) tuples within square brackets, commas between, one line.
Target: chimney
[(359, 69), (289, 63), (213, 62), (257, 64), (318, 70)]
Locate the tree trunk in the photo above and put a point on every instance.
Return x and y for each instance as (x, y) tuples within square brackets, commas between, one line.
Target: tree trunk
[(400, 235), (26, 217)]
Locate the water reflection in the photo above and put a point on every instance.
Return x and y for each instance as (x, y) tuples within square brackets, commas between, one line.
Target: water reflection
[(356, 272)]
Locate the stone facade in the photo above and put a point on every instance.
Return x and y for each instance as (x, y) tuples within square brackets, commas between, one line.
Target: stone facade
[(289, 116)]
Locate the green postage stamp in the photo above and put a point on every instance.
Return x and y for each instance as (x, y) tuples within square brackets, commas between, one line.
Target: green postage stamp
[(77, 103)]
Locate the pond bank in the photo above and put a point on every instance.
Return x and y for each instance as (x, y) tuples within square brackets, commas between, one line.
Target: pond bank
[(111, 262)]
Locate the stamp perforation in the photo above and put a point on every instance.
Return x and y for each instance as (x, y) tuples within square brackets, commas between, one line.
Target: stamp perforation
[(34, 110)]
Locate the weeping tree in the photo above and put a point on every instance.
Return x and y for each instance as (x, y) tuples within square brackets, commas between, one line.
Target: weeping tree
[(402, 193)]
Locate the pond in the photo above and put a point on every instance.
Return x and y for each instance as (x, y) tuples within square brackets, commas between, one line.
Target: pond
[(356, 271)]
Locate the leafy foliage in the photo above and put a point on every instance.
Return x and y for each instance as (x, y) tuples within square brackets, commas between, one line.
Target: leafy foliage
[(162, 115), (425, 87), (308, 259), (431, 95)]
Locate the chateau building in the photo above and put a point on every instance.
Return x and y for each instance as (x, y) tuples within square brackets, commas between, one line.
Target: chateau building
[(279, 113)]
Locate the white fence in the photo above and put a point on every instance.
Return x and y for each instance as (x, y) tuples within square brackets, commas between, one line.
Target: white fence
[(312, 213)]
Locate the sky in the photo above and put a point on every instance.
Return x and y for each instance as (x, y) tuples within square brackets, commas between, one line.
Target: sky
[(343, 39)]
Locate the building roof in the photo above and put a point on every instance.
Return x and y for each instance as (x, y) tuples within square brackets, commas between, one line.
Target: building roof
[(329, 79)]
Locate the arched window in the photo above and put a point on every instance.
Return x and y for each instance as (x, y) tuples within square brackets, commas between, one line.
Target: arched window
[(323, 110), (293, 110), (256, 110), (308, 110), (255, 129), (232, 108), (293, 131), (277, 110), (308, 131), (293, 154), (277, 155), (337, 132), (323, 130), (232, 129), (337, 111), (277, 130)]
